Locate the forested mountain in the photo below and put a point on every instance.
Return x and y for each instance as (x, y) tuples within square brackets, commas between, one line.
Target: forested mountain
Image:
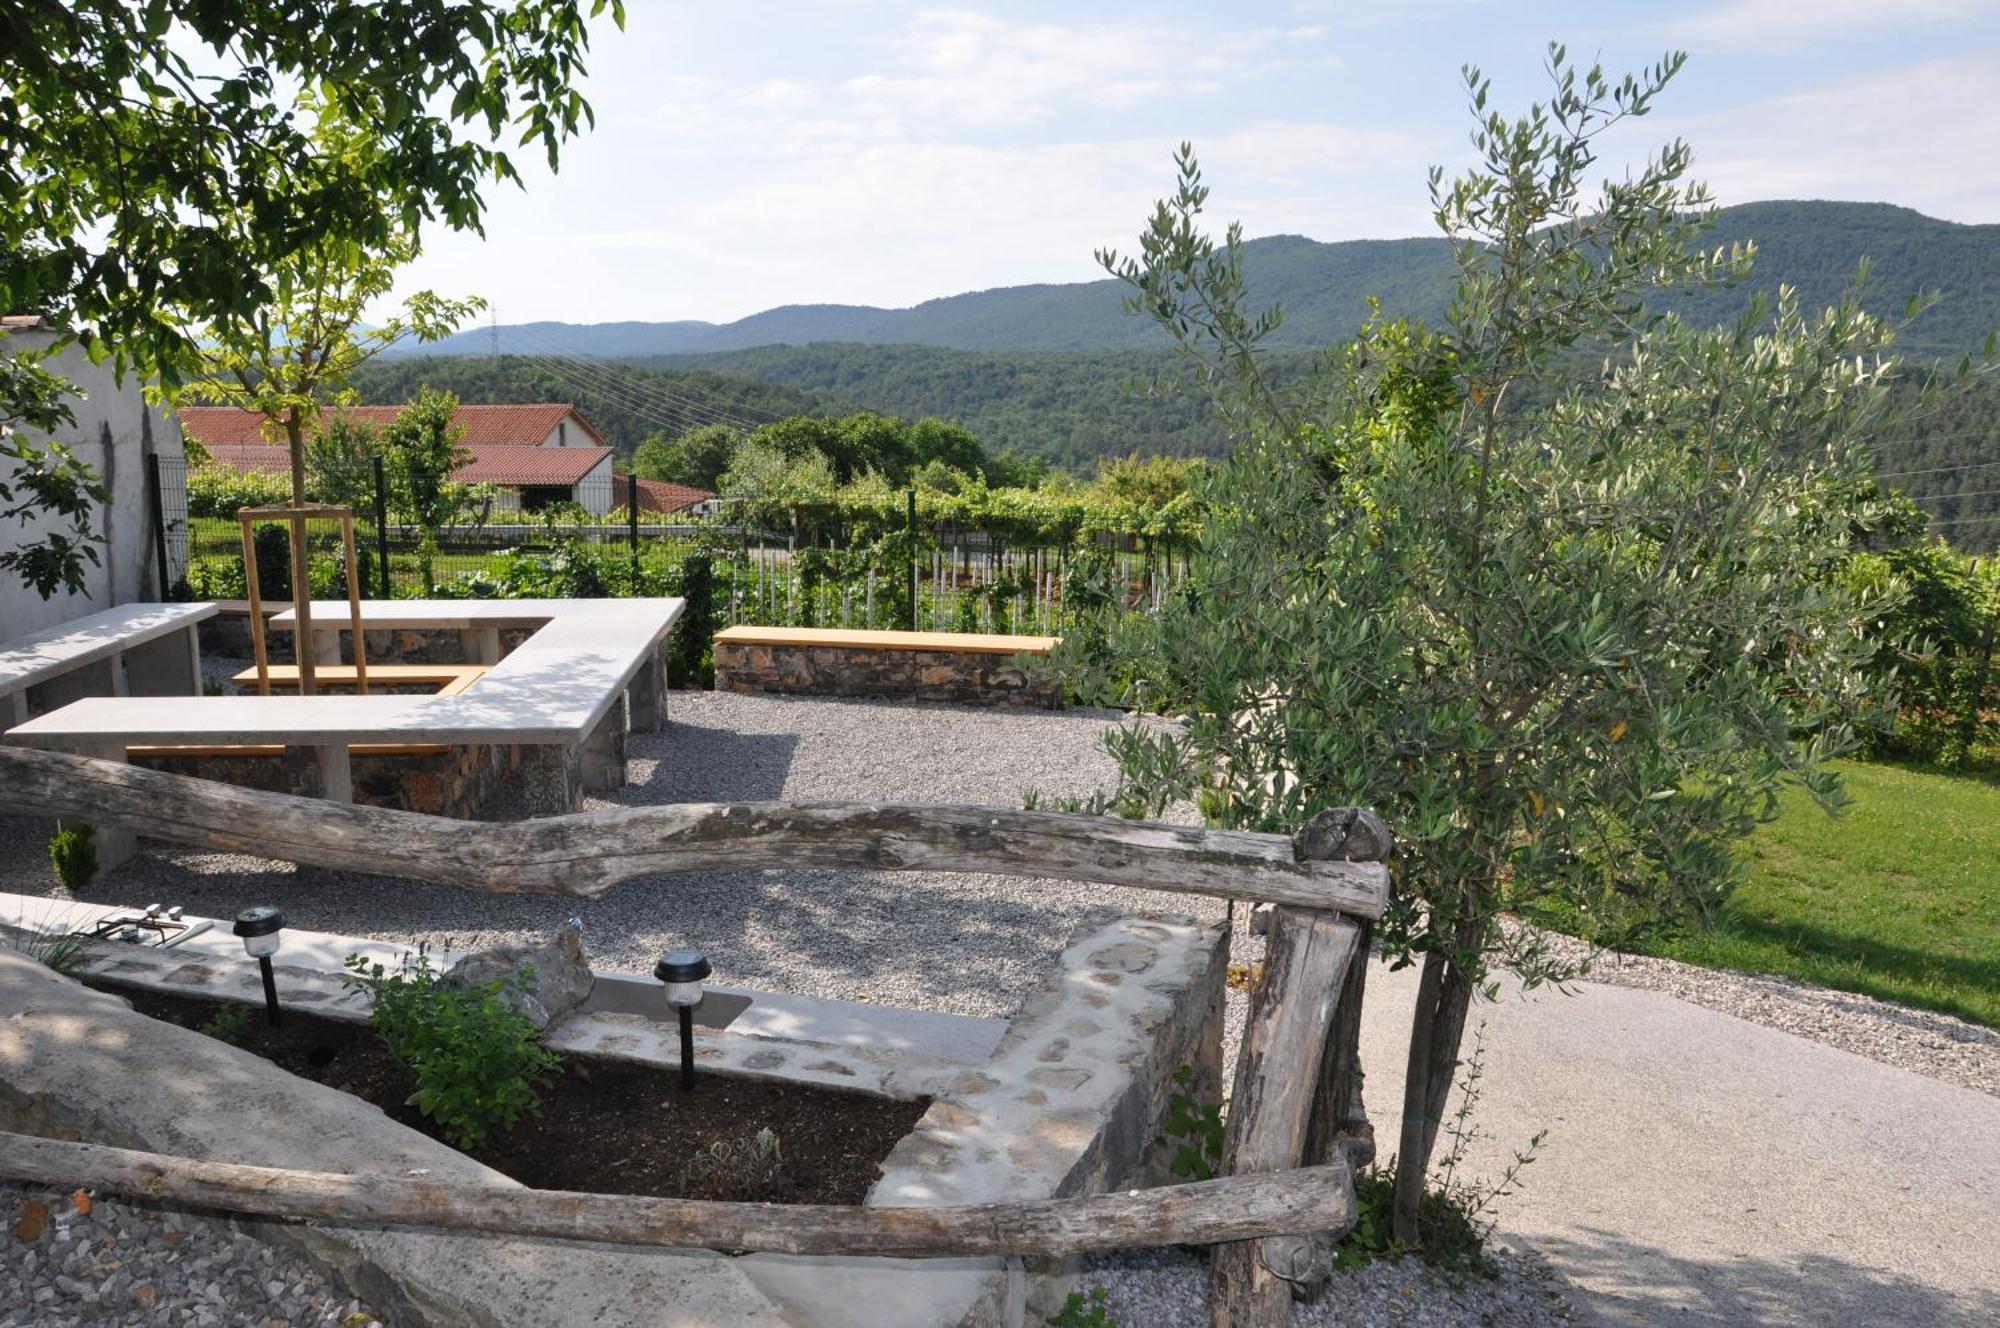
[(1067, 407), (1324, 289), (624, 402)]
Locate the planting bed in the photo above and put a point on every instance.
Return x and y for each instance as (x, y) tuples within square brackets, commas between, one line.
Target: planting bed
[(610, 1127)]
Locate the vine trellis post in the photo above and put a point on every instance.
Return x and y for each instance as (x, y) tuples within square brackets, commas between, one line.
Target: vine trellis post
[(1294, 1130)]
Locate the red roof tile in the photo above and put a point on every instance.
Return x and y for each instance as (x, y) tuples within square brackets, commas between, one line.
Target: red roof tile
[(485, 426), (660, 495), (490, 465), (531, 465)]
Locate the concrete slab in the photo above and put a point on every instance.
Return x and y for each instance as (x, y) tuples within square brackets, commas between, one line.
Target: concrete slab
[(1708, 1172), (39, 656), (554, 688)]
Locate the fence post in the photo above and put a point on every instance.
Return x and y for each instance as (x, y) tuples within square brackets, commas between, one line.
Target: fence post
[(910, 527), (632, 525), (382, 528), (159, 516)]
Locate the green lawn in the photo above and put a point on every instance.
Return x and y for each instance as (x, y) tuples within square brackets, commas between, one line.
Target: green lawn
[(1898, 897)]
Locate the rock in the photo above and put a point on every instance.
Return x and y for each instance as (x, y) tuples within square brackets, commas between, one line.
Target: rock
[(34, 1220), (562, 977)]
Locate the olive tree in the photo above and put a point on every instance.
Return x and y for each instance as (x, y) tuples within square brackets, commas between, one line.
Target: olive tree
[(1567, 640)]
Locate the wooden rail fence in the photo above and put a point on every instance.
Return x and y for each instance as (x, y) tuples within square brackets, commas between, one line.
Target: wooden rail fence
[(1287, 1188)]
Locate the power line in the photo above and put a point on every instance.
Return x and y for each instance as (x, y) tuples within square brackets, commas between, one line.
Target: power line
[(1942, 497), (645, 391), (1936, 470)]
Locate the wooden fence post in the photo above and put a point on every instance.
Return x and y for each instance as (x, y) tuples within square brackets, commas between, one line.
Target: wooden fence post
[(1339, 1118), (1277, 1075), (1296, 1054)]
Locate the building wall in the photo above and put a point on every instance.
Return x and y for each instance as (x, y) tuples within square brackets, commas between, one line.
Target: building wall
[(594, 491), (114, 431)]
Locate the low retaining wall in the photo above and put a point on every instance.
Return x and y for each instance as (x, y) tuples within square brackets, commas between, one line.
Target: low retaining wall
[(461, 782), (917, 675)]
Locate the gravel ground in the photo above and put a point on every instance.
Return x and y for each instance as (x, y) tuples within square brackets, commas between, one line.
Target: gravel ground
[(1169, 1289), (120, 1262), (965, 944)]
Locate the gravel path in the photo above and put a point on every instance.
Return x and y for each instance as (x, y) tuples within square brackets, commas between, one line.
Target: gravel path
[(120, 1262), (1924, 1042)]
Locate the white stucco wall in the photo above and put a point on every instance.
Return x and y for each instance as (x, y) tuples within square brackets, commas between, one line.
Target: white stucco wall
[(594, 490), (114, 431)]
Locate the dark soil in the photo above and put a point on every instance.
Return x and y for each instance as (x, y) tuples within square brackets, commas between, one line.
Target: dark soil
[(611, 1127)]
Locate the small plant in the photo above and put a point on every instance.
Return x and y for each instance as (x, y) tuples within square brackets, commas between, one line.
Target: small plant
[(73, 853), (731, 1168), (229, 1024), (1198, 1125), (477, 1057), (1080, 1311), (53, 946), (1456, 1216)]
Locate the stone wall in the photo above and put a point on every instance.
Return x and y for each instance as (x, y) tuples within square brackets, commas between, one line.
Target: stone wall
[(461, 782), (913, 675)]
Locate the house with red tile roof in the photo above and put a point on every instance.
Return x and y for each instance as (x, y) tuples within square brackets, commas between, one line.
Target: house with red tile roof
[(533, 455), (666, 498)]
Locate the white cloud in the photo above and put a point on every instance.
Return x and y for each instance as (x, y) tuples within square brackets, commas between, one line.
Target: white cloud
[(1772, 26), (959, 66), (1920, 135)]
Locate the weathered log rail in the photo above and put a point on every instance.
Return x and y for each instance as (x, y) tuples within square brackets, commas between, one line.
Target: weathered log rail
[(585, 854), (1228, 1208), (1287, 1189)]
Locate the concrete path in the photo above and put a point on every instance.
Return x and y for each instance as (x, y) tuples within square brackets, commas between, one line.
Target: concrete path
[(1704, 1171)]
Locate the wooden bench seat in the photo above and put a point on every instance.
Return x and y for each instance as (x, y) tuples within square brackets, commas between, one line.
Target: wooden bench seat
[(449, 676), (277, 749), (960, 643), (921, 666)]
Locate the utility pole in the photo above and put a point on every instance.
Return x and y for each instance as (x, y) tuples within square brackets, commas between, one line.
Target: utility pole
[(493, 325)]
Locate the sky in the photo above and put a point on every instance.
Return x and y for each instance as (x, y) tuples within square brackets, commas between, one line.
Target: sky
[(840, 151)]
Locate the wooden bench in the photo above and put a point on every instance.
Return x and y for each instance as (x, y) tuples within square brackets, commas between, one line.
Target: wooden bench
[(132, 650), (452, 678), (923, 666)]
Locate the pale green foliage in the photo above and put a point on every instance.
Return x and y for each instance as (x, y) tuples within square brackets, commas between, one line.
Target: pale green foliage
[(1565, 646), (698, 457), (284, 358), (420, 450), (340, 462)]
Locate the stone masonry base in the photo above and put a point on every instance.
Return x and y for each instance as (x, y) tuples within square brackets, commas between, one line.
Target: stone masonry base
[(916, 675)]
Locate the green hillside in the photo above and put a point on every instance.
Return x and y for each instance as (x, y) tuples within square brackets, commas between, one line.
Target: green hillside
[(1324, 288), (625, 403)]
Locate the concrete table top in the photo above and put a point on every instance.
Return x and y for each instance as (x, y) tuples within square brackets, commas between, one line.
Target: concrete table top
[(553, 689), (39, 656)]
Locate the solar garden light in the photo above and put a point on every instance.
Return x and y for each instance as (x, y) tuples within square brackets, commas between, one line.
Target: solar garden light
[(682, 971), (259, 926)]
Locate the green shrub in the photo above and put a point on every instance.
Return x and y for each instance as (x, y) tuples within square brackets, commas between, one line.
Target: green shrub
[(230, 1023), (1198, 1125), (477, 1057), (220, 490), (1081, 1312), (73, 853)]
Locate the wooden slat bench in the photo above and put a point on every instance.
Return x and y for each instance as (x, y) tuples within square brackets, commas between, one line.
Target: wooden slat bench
[(453, 678), (922, 666)]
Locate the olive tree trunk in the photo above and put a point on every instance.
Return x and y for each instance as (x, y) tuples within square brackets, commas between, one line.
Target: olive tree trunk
[(1437, 1028)]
